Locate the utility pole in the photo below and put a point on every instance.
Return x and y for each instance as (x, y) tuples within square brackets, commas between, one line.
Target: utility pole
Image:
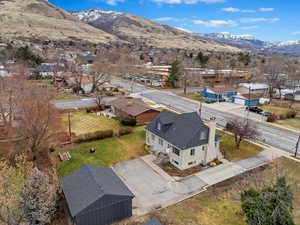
[(297, 146)]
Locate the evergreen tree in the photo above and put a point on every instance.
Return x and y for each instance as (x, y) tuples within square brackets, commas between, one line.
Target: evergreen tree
[(269, 206), (175, 73), (25, 55), (202, 59)]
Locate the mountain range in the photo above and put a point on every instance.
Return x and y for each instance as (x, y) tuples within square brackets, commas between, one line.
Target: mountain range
[(251, 43), (38, 21)]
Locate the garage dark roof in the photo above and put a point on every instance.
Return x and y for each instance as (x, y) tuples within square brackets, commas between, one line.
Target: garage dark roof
[(153, 221), (131, 106), (89, 184), (181, 130)]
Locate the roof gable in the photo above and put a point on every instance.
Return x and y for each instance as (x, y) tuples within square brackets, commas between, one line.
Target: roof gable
[(182, 130)]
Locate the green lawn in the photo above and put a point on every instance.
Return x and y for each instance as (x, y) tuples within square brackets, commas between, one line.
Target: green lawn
[(221, 205), (247, 149), (109, 151), (82, 123), (195, 96)]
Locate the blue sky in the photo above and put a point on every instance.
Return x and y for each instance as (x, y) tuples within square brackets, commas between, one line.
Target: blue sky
[(271, 20)]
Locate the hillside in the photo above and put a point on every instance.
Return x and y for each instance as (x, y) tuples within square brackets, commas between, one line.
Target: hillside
[(38, 19), (142, 31)]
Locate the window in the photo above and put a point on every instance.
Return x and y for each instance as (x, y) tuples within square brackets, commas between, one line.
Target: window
[(191, 163), (203, 135), (158, 126), (153, 137), (192, 152), (160, 141), (176, 151), (174, 161), (203, 148)]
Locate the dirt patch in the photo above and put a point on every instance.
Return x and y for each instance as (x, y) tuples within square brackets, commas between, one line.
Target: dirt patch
[(174, 172)]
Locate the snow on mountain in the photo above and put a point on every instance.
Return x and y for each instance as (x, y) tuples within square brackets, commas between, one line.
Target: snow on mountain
[(95, 14)]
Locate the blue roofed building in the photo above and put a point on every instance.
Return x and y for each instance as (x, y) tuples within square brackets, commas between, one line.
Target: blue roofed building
[(218, 94)]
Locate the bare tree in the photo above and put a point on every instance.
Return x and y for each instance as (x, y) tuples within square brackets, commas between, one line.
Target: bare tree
[(241, 131), (98, 79), (272, 71), (39, 198), (99, 98)]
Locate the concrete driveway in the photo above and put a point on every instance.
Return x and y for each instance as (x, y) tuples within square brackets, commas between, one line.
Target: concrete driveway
[(152, 190)]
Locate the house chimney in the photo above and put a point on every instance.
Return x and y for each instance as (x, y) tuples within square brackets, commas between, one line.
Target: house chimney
[(212, 151)]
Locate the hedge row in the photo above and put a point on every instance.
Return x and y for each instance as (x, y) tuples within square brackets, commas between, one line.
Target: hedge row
[(290, 114), (98, 135)]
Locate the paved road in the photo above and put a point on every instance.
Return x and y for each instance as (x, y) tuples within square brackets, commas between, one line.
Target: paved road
[(85, 102), (274, 136), (269, 134)]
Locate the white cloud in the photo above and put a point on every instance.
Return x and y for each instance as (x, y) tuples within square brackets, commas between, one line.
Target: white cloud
[(182, 29), (216, 23), (266, 9), (259, 20), (296, 33), (249, 27), (187, 1), (235, 10), (164, 19), (110, 2)]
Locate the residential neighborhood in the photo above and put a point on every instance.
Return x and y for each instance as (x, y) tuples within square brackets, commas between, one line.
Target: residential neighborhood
[(115, 118)]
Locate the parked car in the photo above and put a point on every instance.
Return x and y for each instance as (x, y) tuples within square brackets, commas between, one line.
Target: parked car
[(209, 101), (254, 109), (267, 114)]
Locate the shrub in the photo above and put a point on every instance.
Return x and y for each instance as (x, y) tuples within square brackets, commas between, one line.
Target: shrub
[(128, 122), (271, 118), (98, 135), (125, 130)]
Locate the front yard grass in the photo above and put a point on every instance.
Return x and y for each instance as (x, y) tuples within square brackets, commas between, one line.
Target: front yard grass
[(194, 96), (293, 123), (246, 150), (221, 205), (82, 123), (108, 152), (275, 109)]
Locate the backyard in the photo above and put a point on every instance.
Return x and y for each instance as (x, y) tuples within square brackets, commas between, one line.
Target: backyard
[(246, 150), (221, 203), (82, 123), (108, 152)]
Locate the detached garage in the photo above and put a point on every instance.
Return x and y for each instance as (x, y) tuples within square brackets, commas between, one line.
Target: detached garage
[(245, 100), (96, 196)]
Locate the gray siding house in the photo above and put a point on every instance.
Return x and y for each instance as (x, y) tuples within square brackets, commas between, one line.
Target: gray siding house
[(96, 196), (185, 138)]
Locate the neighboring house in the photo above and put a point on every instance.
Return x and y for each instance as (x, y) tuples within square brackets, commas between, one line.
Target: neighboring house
[(246, 100), (184, 138), (254, 88), (49, 69), (86, 84), (218, 93), (293, 96), (96, 196), (153, 221), (133, 108)]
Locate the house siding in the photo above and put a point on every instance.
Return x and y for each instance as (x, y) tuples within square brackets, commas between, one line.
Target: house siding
[(182, 161), (105, 211), (208, 94)]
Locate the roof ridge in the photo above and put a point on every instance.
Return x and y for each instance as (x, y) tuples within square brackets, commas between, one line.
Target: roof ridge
[(93, 177)]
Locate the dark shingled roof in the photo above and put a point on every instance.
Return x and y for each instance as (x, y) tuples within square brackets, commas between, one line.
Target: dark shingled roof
[(153, 221), (181, 130), (51, 67), (89, 184)]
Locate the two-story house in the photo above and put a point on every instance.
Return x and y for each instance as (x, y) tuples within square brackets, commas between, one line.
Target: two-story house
[(185, 138)]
